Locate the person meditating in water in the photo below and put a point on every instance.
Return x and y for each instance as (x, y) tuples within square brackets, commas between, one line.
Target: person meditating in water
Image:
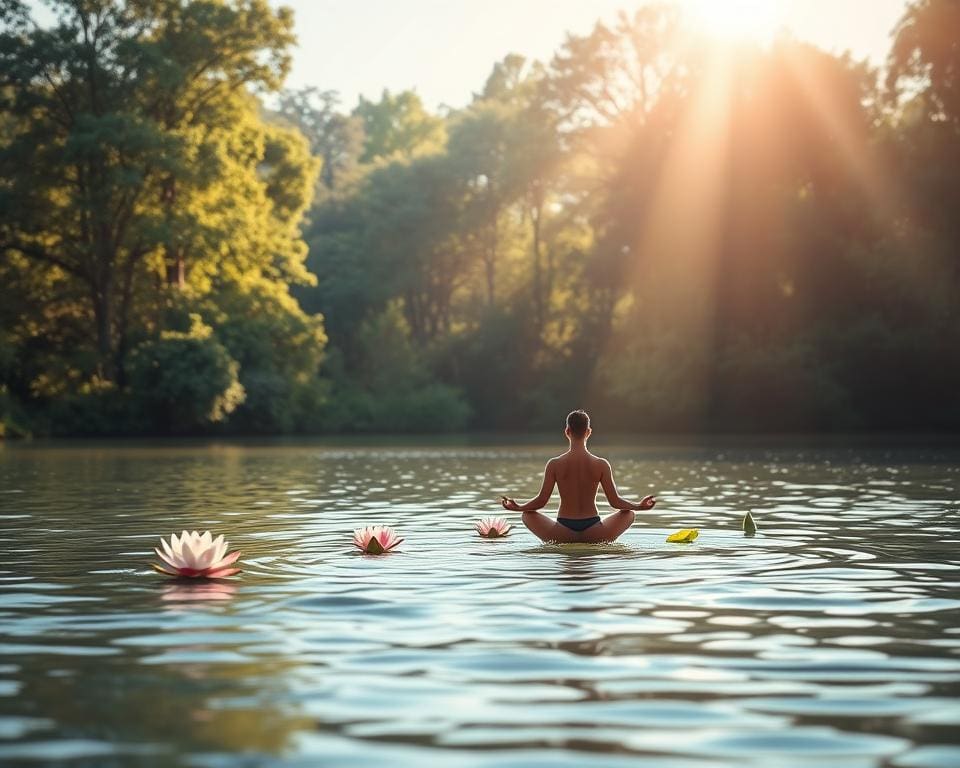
[(578, 473)]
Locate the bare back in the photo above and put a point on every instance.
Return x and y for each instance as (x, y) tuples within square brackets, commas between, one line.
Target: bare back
[(578, 475)]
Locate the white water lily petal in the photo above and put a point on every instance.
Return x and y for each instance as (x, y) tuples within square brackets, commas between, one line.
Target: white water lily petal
[(228, 560), (219, 548), (189, 556), (176, 547), (196, 555), (170, 557), (164, 557), (204, 556)]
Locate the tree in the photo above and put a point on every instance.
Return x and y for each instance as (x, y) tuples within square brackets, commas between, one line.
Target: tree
[(674, 233), (923, 75), (517, 95), (617, 72), (186, 380), (136, 150), (398, 125), (479, 147), (278, 349), (336, 138), (615, 91), (394, 238), (509, 81), (926, 54)]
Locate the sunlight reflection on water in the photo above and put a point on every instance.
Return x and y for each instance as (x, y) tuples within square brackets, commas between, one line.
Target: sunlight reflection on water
[(831, 636)]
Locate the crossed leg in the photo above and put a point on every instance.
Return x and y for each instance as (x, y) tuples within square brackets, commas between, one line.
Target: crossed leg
[(608, 529)]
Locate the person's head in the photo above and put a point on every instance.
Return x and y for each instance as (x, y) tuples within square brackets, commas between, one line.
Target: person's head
[(578, 425)]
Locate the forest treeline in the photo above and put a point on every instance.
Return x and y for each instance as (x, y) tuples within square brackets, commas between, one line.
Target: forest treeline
[(674, 233)]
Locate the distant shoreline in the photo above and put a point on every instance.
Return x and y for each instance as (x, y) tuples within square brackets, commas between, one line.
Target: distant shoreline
[(538, 439)]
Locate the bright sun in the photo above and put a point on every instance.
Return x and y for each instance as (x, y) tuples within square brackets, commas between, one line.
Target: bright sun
[(736, 20)]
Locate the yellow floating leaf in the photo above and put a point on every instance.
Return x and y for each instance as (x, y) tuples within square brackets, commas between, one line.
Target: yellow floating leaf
[(683, 536)]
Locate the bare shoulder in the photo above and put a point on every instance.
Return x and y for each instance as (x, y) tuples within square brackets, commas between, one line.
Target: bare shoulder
[(556, 464), (602, 464)]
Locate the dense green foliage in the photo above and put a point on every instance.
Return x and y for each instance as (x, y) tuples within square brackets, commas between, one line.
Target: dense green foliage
[(139, 186), (672, 233)]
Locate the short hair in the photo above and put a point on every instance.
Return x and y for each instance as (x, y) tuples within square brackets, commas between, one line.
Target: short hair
[(578, 422)]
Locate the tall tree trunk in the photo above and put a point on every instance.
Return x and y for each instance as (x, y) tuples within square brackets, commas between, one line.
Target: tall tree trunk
[(176, 269), (103, 317), (174, 252)]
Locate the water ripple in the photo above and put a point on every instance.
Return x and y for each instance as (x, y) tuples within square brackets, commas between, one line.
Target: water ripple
[(831, 636)]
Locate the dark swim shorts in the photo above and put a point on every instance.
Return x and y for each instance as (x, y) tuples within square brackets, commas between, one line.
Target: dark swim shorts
[(579, 524)]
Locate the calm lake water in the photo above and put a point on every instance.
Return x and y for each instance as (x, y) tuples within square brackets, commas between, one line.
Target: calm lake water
[(832, 638)]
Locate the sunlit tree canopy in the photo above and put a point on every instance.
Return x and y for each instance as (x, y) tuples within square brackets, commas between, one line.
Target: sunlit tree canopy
[(682, 219)]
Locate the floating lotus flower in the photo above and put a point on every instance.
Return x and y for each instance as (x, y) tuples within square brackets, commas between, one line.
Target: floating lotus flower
[(749, 525), (493, 527), (375, 539), (196, 556), (684, 536)]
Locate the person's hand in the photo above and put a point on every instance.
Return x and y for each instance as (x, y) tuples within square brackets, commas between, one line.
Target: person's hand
[(646, 502), (509, 504)]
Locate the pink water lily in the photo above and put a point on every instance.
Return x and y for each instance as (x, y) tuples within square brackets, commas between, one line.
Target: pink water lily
[(375, 539), (196, 556), (493, 527)]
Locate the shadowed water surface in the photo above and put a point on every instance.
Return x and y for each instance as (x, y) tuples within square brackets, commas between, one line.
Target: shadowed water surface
[(831, 638)]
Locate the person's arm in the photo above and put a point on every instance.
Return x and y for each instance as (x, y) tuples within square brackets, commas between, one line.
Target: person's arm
[(614, 499), (540, 500)]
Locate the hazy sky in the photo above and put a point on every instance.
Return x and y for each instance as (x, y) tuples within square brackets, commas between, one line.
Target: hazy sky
[(444, 49)]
